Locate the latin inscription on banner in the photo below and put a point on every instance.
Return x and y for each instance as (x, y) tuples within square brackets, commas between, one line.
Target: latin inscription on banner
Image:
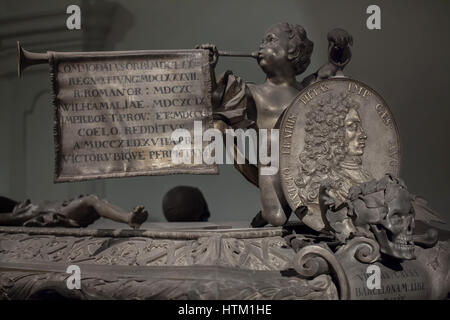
[(115, 113)]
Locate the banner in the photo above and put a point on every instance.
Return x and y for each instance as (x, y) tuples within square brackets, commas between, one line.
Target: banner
[(115, 111)]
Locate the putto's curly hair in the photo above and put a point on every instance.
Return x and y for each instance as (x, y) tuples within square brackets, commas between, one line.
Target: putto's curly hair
[(300, 47), (325, 146)]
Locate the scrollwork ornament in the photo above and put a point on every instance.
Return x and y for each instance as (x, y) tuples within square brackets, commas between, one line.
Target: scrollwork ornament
[(312, 261), (363, 249)]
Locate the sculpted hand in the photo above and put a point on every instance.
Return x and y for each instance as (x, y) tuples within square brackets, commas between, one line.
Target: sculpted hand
[(213, 53), (339, 42), (340, 38)]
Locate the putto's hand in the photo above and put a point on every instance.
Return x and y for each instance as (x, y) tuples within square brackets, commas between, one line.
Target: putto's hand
[(213, 53), (339, 42), (340, 38)]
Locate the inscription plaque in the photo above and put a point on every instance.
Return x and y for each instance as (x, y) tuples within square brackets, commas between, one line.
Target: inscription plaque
[(115, 112), (409, 281)]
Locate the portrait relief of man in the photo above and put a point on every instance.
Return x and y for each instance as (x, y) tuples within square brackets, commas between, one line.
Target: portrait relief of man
[(334, 147)]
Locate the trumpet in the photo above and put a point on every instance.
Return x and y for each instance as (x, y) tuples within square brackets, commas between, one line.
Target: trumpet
[(26, 58), (239, 54)]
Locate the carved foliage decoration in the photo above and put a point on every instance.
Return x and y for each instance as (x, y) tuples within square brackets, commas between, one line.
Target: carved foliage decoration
[(266, 253), (200, 285)]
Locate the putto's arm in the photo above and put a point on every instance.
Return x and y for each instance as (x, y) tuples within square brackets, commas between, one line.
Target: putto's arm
[(232, 104), (339, 55)]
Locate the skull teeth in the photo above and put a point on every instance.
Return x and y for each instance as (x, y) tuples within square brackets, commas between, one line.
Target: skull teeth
[(404, 240), (404, 246)]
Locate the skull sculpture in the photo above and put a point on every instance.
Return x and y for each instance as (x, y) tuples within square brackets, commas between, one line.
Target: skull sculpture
[(383, 207)]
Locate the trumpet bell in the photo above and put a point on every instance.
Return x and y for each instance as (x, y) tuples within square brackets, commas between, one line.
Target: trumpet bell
[(26, 58)]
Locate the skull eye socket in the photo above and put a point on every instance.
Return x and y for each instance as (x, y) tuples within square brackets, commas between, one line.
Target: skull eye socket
[(396, 218)]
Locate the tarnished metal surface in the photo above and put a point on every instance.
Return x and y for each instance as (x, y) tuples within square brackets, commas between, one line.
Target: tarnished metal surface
[(337, 129), (426, 277), (156, 233), (213, 282), (148, 261), (164, 264), (115, 111)]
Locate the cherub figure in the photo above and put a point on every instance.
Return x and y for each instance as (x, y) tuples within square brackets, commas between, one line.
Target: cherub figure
[(284, 53)]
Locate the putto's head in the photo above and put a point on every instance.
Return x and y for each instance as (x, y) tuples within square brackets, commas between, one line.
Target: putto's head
[(285, 48)]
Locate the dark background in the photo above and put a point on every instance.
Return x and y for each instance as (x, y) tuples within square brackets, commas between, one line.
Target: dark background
[(407, 62)]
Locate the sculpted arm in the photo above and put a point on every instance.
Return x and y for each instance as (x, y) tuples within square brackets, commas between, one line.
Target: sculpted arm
[(339, 55), (233, 107)]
